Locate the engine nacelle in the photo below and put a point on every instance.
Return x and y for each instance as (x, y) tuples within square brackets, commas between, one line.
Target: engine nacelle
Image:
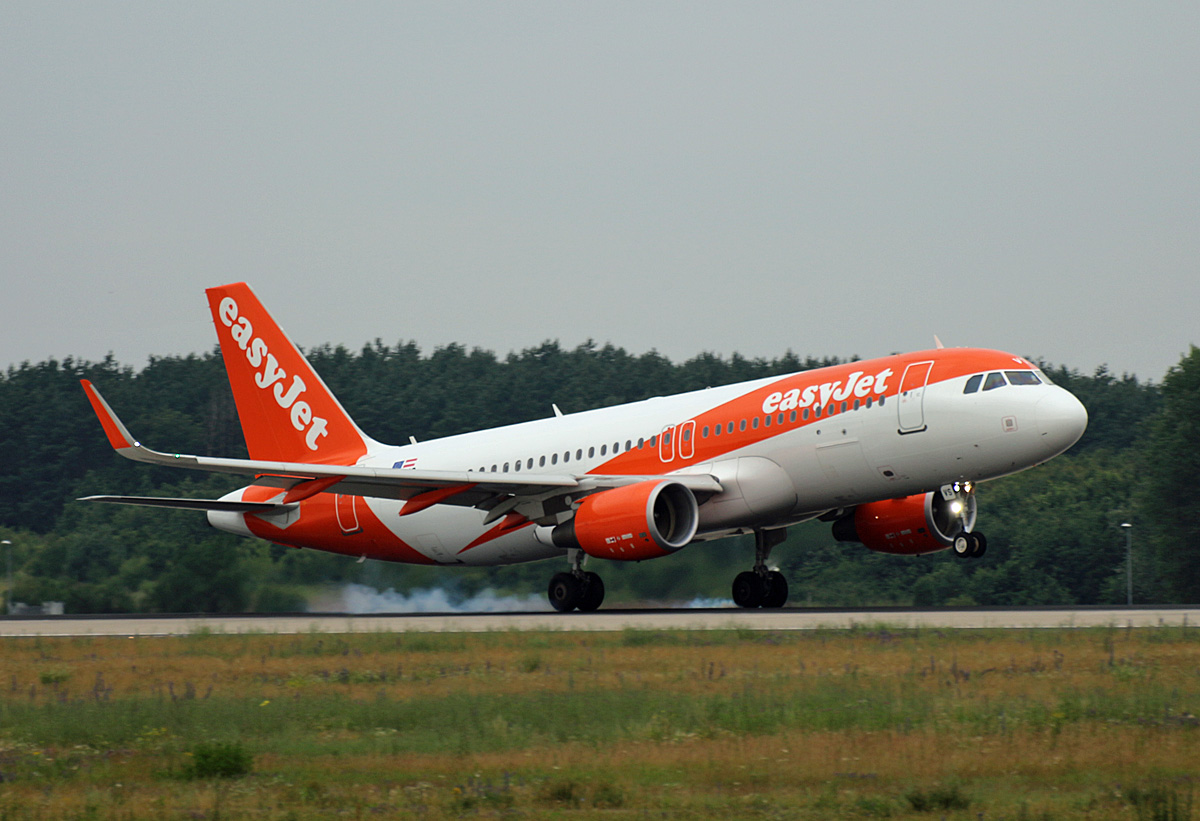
[(634, 522), (910, 526)]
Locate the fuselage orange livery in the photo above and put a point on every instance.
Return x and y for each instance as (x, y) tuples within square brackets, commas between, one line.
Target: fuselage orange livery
[(888, 450)]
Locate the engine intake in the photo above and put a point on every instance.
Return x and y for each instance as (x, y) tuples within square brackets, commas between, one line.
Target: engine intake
[(924, 523), (631, 523)]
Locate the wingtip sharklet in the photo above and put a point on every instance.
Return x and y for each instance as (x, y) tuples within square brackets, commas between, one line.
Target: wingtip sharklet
[(118, 435)]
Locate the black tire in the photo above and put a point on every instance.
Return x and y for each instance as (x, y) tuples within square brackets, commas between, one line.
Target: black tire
[(777, 590), (593, 593), (963, 545), (749, 590), (979, 546), (565, 592)]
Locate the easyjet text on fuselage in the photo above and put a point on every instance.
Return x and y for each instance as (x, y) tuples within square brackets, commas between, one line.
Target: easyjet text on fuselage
[(859, 385)]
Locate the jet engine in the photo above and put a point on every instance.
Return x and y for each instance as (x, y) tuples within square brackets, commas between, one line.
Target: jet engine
[(631, 523), (918, 524)]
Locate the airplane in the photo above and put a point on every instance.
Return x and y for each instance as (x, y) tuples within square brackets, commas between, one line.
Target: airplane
[(888, 451)]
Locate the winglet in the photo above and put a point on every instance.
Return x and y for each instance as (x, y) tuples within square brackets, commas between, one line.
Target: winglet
[(118, 435)]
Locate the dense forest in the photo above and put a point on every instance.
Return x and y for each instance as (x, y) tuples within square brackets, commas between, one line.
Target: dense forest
[(1054, 532)]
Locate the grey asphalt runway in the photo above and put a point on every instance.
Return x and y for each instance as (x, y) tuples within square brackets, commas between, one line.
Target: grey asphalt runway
[(785, 619)]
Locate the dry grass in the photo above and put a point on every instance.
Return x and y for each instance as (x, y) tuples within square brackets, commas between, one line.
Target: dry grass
[(861, 723)]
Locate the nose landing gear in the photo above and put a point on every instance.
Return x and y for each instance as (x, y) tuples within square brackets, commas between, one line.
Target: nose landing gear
[(969, 545), (762, 587)]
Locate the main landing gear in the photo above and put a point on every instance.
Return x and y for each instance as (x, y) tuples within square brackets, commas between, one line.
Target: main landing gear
[(969, 545), (761, 587), (577, 590)]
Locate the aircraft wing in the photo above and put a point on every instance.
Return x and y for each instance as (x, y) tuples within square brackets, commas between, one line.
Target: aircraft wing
[(495, 493)]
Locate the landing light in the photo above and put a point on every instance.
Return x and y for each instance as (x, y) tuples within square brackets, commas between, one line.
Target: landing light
[(956, 507)]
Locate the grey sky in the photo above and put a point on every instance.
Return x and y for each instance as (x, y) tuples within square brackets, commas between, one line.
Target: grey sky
[(840, 178)]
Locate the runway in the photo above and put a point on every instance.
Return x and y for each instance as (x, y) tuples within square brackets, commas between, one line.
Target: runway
[(610, 620)]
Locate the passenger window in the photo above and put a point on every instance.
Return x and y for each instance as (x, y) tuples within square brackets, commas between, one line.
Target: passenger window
[(542, 462), (704, 432), (641, 443), (817, 412), (793, 416), (567, 456), (767, 420), (530, 465), (754, 423), (856, 404), (729, 428), (868, 402), (591, 452), (517, 466), (843, 407), (654, 441), (742, 425), (554, 458), (687, 434), (973, 383), (717, 430), (1021, 377), (493, 468), (578, 454), (506, 467), (628, 445), (994, 380), (805, 414)]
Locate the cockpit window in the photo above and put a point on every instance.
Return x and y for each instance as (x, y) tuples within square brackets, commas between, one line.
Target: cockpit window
[(973, 383), (1022, 378), (1042, 376), (994, 380)]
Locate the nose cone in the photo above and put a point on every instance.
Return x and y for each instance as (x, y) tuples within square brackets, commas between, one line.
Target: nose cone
[(1061, 420)]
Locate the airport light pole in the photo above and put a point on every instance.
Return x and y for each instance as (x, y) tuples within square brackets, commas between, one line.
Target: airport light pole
[(8, 594), (1128, 528)]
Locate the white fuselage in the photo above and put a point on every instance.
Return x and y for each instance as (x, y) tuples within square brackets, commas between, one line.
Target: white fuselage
[(887, 428)]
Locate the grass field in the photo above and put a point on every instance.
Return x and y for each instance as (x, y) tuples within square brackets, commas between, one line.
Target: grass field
[(866, 723)]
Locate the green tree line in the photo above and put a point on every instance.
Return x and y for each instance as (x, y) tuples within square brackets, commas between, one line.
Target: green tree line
[(1053, 531)]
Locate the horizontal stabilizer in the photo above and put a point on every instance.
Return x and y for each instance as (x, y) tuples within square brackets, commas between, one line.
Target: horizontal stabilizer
[(229, 506)]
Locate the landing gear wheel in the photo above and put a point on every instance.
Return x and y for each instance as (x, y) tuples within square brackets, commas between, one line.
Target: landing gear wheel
[(565, 592), (749, 589), (593, 593), (777, 590), (978, 545), (963, 546)]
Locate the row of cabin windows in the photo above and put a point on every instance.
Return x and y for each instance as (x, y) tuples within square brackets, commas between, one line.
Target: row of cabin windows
[(994, 380), (566, 456), (783, 416), (728, 428)]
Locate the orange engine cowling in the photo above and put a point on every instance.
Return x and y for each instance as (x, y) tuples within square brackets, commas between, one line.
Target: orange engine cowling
[(911, 526), (631, 523)]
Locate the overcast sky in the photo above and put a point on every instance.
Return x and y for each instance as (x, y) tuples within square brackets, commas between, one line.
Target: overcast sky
[(835, 178)]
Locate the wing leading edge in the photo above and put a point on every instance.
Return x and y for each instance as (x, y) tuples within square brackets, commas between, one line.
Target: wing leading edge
[(494, 493)]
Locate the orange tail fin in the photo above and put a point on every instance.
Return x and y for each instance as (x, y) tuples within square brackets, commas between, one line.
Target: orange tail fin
[(287, 412)]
